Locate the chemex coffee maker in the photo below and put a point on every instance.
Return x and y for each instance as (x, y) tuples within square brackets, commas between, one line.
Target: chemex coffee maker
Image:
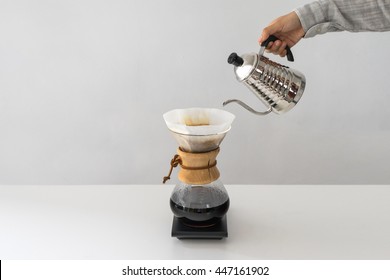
[(199, 201), (277, 86)]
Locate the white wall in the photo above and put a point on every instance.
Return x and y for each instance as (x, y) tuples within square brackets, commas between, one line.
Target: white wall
[(84, 84)]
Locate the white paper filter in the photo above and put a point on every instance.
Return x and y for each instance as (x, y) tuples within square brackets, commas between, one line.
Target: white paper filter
[(198, 121)]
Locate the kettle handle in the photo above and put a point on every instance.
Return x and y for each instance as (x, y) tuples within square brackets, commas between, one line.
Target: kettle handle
[(273, 38), (269, 110)]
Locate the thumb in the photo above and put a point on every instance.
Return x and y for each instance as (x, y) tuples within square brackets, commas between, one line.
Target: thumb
[(264, 36), (269, 30)]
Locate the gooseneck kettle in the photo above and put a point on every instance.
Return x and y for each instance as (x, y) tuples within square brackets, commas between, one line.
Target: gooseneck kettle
[(277, 86)]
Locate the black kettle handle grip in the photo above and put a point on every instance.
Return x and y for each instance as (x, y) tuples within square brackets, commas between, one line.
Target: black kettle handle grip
[(273, 38)]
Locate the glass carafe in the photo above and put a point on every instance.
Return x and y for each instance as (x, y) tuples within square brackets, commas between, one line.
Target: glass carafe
[(199, 205), (199, 199)]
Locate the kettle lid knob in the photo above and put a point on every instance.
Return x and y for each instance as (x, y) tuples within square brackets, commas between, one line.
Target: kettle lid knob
[(235, 59)]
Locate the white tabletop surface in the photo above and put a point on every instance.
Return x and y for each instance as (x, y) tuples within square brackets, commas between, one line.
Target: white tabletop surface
[(134, 222)]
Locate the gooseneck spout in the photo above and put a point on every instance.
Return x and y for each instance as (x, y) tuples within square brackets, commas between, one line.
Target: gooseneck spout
[(247, 107)]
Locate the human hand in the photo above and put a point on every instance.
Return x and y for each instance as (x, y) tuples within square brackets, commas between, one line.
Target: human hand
[(288, 29)]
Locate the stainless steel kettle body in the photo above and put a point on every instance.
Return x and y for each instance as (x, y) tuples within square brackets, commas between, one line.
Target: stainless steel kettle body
[(277, 86)]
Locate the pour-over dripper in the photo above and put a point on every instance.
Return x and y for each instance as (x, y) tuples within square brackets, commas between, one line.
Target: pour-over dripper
[(198, 130)]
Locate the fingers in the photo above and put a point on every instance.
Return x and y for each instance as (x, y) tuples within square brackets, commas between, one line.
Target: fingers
[(277, 47)]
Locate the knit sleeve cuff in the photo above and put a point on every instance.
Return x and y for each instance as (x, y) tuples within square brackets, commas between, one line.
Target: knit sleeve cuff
[(312, 16)]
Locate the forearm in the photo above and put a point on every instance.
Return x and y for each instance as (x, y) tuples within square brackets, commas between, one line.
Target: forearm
[(350, 15)]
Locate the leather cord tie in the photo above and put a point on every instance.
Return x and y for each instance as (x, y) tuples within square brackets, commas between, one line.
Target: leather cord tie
[(177, 160), (174, 162)]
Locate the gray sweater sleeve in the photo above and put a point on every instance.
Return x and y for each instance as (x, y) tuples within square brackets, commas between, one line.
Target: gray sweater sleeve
[(324, 16)]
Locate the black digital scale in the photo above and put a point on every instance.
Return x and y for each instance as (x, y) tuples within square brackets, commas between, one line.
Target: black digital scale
[(183, 231)]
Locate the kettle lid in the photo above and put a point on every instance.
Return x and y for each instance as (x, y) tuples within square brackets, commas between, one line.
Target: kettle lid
[(243, 65)]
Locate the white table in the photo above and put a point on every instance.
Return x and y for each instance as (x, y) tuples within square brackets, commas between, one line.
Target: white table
[(134, 222)]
